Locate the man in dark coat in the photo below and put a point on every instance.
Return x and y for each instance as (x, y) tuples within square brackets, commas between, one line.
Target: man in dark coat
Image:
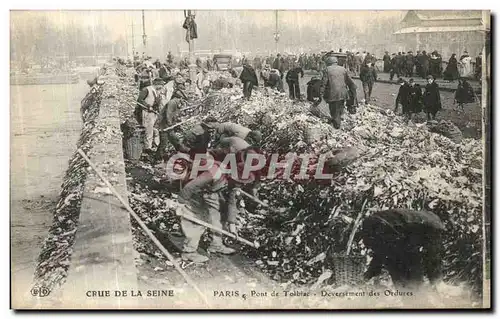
[(432, 98), (410, 62), (403, 97), (418, 66), (249, 78), (335, 89), (425, 64), (415, 98), (368, 76), (394, 67), (292, 79), (278, 65), (387, 62), (407, 243), (169, 115), (464, 93)]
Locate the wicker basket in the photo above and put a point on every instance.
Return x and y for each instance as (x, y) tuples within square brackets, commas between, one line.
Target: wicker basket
[(133, 144), (348, 270)]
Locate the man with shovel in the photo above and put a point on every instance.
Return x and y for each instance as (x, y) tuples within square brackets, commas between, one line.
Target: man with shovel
[(201, 198)]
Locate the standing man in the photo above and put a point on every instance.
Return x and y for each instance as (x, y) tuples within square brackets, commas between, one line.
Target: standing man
[(169, 115), (170, 58), (278, 65), (425, 64), (249, 78), (335, 89), (432, 98), (407, 243), (403, 97), (358, 61), (394, 67), (292, 78), (368, 76), (415, 98), (147, 110), (410, 62)]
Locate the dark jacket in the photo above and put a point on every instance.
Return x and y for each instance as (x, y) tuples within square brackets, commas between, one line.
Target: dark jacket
[(336, 84), (313, 89), (367, 74), (403, 96), (464, 93), (408, 243), (248, 75), (415, 98), (170, 113), (432, 98), (451, 72), (293, 74)]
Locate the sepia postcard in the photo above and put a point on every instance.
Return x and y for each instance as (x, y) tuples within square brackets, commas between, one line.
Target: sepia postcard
[(250, 159)]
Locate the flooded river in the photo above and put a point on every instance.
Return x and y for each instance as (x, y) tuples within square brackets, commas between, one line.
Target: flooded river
[(45, 125)]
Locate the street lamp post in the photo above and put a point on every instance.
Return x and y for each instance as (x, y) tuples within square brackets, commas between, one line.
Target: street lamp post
[(276, 33), (192, 62)]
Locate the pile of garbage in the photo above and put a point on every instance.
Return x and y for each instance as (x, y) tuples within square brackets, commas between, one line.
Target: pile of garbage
[(402, 165)]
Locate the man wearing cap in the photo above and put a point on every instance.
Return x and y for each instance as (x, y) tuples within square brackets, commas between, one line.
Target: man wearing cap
[(410, 63), (229, 129), (198, 138), (358, 61), (249, 79), (394, 67), (147, 110), (207, 196), (403, 97), (415, 98), (368, 76), (335, 88), (200, 82), (292, 78), (169, 115), (407, 243), (432, 98)]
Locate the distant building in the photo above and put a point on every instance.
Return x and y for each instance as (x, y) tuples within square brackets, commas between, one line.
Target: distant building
[(445, 31)]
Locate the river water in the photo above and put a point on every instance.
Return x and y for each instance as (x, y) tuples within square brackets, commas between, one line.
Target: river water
[(45, 126)]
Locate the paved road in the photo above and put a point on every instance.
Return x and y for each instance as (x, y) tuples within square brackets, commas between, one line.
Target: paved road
[(469, 121), (45, 126)]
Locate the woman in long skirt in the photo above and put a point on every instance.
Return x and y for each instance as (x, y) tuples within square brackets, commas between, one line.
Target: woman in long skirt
[(451, 72)]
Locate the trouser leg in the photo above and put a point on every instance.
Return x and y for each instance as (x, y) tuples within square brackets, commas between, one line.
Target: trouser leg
[(191, 230), (365, 91), (336, 110), (290, 90), (370, 88), (214, 216), (297, 90), (149, 119)]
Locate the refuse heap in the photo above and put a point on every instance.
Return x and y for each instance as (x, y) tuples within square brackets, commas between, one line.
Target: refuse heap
[(401, 166)]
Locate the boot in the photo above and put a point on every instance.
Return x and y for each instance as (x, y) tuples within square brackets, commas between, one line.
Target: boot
[(221, 249), (195, 257)]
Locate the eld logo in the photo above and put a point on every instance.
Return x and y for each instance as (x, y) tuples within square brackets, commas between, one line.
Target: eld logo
[(40, 291)]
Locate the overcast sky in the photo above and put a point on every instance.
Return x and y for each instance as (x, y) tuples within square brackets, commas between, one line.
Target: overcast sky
[(118, 22)]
